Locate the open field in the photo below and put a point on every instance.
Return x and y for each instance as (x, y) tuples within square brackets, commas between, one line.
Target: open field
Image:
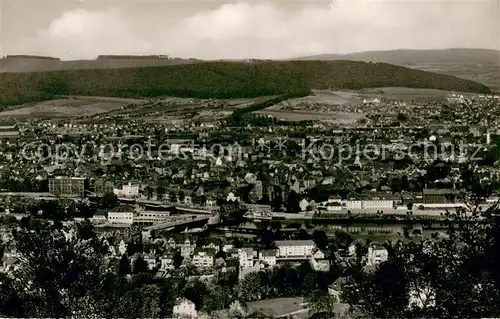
[(406, 94), (175, 110), (69, 107), (332, 106), (277, 307), (488, 74)]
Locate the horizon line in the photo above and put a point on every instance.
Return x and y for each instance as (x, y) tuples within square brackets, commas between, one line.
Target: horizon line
[(166, 56)]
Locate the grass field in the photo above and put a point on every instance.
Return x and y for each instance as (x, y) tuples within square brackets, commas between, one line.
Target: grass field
[(488, 74), (277, 307), (326, 105), (67, 108)]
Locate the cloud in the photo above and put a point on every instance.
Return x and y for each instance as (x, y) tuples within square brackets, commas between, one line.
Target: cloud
[(82, 34), (267, 30)]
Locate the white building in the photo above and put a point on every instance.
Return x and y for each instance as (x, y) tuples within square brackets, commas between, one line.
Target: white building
[(333, 207), (378, 204), (122, 247), (227, 248), (187, 249), (353, 204), (212, 246), (166, 263), (351, 250), (376, 255), (269, 257), (295, 248), (246, 257), (151, 217), (185, 309), (203, 259), (303, 205), (232, 198), (121, 217), (128, 190), (151, 261)]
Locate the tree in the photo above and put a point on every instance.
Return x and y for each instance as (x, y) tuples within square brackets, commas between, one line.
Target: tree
[(402, 117), (148, 191), (196, 291), (172, 196), (59, 274), (321, 304), (293, 204), (124, 266), (182, 196), (161, 191), (308, 284), (218, 298), (109, 200), (320, 239), (232, 213), (250, 287), (285, 281), (177, 259), (277, 201), (140, 265), (142, 302), (302, 234)]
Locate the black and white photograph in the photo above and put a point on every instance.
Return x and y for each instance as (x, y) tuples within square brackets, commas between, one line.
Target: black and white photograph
[(250, 159)]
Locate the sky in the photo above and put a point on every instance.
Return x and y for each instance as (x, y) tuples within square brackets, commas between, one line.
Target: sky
[(274, 29)]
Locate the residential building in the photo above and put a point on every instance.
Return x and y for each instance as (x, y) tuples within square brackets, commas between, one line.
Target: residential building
[(128, 190), (68, 186), (187, 249), (376, 255), (184, 309), (204, 258), (295, 248), (269, 257), (335, 289), (433, 196), (121, 215), (351, 250), (378, 204), (9, 131), (354, 204), (103, 187), (246, 257), (122, 247), (167, 263)]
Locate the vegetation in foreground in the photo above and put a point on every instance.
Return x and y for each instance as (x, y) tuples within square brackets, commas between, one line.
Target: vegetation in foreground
[(452, 277), (63, 272), (222, 80)]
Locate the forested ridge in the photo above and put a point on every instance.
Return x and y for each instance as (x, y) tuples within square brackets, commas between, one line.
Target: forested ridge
[(221, 80)]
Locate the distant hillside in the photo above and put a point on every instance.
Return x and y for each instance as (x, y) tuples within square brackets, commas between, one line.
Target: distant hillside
[(222, 80), (464, 56), (473, 64), (32, 57), (26, 63)]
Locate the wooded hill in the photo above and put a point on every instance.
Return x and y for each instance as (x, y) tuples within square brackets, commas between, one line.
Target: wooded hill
[(222, 80)]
